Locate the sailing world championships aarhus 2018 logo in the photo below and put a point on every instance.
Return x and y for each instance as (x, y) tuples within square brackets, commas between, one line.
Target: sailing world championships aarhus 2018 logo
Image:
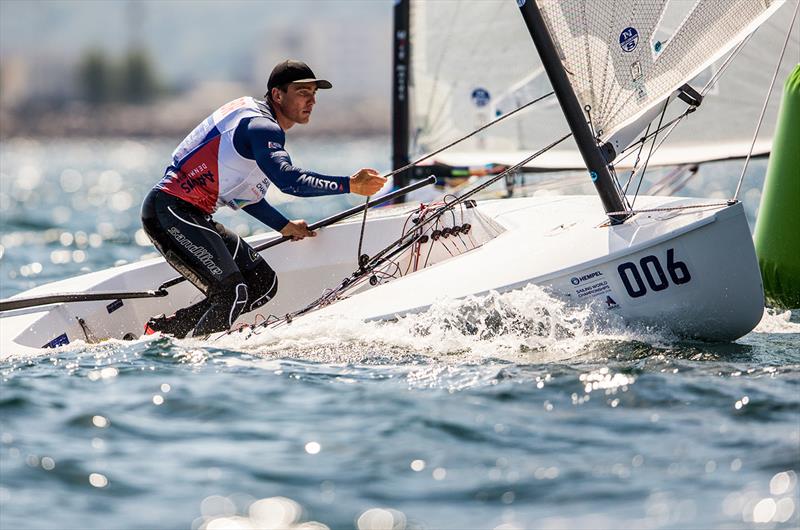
[(628, 39)]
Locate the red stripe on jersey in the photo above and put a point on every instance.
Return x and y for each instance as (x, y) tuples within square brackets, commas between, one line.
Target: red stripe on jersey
[(197, 180)]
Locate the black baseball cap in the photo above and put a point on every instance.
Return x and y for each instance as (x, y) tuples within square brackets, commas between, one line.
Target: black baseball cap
[(294, 72)]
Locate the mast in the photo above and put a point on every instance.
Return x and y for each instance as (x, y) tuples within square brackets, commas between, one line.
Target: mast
[(400, 106), (592, 157)]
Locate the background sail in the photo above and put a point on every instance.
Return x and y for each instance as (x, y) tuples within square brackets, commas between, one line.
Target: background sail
[(473, 60)]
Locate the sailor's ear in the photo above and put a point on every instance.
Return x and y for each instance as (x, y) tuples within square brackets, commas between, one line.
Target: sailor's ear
[(275, 93)]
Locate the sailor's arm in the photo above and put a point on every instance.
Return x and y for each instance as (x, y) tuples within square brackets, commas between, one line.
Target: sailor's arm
[(267, 214), (266, 141)]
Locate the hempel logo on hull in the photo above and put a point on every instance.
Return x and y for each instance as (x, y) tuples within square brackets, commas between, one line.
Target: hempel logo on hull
[(576, 280), (593, 285)]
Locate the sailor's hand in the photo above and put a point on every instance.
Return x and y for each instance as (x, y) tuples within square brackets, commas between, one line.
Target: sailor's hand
[(297, 230), (366, 181)]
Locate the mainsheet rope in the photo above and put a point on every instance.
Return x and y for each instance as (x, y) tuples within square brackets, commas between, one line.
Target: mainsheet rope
[(468, 136)]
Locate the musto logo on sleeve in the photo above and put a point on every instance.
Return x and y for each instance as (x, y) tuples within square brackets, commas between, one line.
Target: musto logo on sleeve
[(318, 183)]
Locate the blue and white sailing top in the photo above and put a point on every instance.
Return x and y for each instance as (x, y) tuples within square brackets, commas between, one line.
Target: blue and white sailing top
[(234, 155)]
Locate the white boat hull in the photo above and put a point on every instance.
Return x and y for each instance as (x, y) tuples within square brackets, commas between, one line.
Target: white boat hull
[(693, 271)]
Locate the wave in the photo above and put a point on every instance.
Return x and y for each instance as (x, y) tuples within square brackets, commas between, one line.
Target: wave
[(526, 325)]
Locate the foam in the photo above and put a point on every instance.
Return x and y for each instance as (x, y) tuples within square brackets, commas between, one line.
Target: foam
[(777, 321), (522, 326)]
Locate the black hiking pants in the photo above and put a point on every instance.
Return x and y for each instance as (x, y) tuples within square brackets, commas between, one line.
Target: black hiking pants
[(233, 276)]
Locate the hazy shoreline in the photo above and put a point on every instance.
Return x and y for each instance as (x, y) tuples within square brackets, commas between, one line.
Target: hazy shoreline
[(175, 118)]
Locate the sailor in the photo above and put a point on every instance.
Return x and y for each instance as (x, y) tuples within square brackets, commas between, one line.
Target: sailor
[(230, 159)]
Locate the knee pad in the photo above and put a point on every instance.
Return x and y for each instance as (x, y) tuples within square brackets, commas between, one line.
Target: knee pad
[(262, 283), (238, 293), (227, 301)]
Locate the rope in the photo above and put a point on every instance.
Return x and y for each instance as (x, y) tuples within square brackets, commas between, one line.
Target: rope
[(671, 208), (513, 168), (766, 102), (470, 135), (446, 147), (669, 125), (638, 158), (361, 235), (448, 205), (649, 154), (724, 66), (401, 244)]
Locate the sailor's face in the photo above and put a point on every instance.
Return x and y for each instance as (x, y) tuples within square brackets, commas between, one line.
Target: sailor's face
[(298, 101)]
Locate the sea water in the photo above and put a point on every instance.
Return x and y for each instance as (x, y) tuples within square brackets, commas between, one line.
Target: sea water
[(506, 411)]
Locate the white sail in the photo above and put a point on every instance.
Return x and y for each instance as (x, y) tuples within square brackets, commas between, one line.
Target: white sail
[(473, 60), (620, 68)]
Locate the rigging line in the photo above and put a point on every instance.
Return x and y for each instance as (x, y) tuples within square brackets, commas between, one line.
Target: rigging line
[(619, 187), (670, 124), (469, 135), (400, 245), (361, 234), (766, 102), (446, 206), (638, 158), (673, 122), (647, 160), (511, 169), (724, 66), (672, 208)]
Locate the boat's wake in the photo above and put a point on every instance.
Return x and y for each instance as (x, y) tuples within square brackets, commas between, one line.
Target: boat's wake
[(779, 321), (522, 326), (527, 326)]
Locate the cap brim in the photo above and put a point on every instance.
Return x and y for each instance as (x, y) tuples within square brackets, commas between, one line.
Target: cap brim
[(321, 83)]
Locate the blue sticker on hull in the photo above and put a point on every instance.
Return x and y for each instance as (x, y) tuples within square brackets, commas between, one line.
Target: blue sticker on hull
[(113, 306), (61, 340)]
